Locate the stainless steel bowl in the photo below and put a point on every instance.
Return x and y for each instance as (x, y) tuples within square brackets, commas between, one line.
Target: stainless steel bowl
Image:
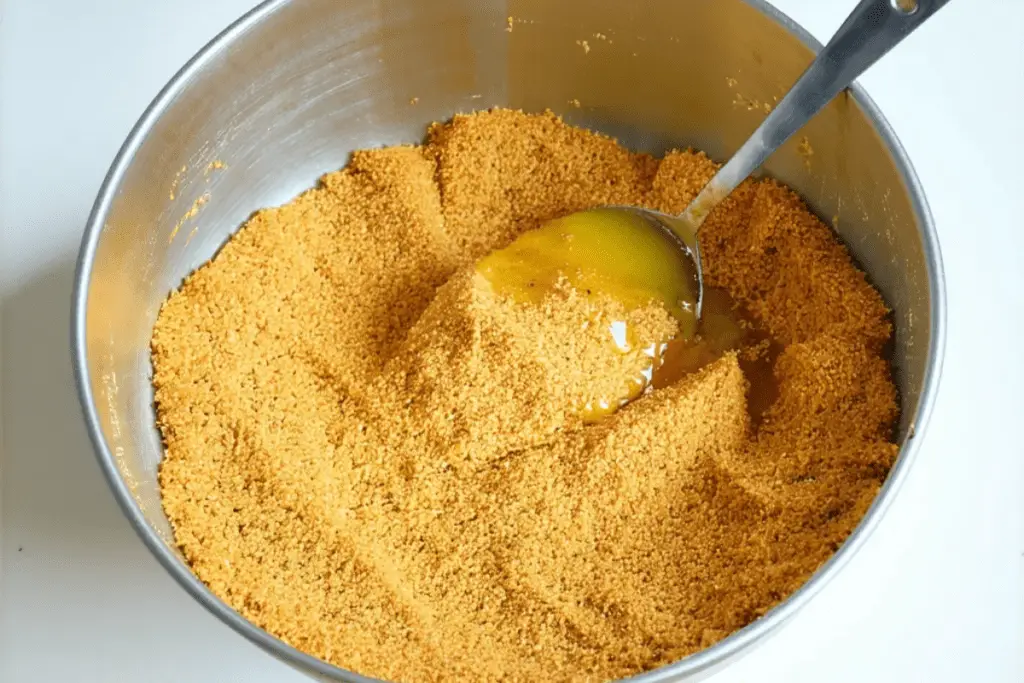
[(284, 94)]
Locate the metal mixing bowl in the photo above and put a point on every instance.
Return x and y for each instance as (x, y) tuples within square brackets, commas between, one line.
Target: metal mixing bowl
[(283, 95)]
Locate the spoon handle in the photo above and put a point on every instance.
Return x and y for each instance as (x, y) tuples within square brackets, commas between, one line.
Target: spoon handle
[(872, 29)]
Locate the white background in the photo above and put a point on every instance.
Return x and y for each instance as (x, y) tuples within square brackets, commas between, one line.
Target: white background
[(936, 593)]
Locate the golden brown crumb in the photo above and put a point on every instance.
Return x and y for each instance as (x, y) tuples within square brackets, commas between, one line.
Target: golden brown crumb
[(178, 176), (374, 458), (192, 212), (215, 165), (806, 151)]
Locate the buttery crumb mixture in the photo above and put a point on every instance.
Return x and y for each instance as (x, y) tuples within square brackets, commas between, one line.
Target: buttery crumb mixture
[(378, 459)]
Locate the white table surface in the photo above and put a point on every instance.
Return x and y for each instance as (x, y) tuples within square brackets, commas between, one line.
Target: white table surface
[(936, 593)]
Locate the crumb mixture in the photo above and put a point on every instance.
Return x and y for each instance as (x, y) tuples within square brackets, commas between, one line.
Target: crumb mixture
[(377, 459)]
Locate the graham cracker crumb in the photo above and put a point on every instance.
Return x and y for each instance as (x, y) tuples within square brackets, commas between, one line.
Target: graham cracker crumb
[(376, 459)]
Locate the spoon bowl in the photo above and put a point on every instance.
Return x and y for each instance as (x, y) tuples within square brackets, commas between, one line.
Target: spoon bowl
[(688, 248)]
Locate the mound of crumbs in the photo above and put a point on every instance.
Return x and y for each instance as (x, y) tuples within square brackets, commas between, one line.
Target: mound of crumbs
[(380, 458)]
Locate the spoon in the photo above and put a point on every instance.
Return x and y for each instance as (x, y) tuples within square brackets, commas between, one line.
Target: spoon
[(872, 29)]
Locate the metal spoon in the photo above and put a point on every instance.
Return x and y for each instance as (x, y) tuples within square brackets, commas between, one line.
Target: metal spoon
[(872, 29)]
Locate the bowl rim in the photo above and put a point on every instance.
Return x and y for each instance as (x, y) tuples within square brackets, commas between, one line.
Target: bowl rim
[(699, 662)]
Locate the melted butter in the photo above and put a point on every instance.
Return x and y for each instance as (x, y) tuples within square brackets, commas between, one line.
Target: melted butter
[(724, 327), (607, 253), (600, 252)]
